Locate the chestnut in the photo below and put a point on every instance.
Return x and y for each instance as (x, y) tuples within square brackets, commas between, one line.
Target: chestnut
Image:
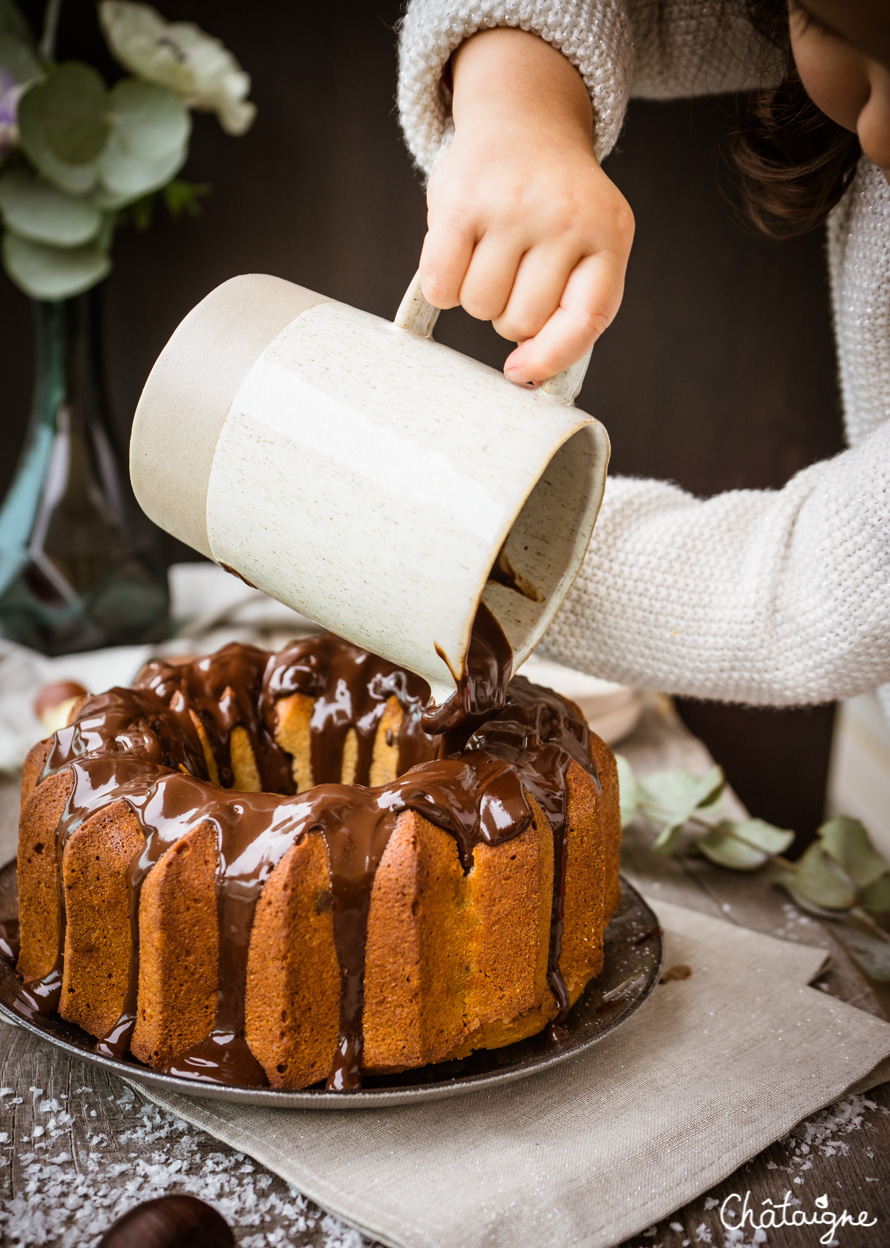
[(55, 702), (170, 1222)]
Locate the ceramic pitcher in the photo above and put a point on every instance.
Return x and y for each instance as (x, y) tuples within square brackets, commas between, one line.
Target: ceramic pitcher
[(365, 475)]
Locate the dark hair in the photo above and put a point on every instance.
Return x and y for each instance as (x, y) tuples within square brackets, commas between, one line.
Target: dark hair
[(795, 162)]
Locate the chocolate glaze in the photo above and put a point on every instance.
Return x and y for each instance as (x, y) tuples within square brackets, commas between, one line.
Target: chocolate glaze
[(503, 573), (10, 942), (234, 572), (481, 687), (351, 689), (535, 732), (40, 996), (144, 745)]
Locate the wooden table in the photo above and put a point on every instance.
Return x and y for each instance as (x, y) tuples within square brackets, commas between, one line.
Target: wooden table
[(101, 1137)]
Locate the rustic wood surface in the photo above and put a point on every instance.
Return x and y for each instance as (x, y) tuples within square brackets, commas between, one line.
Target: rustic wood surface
[(72, 1131)]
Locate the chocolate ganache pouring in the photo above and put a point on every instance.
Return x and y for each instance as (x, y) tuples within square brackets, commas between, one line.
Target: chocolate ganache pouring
[(377, 481), (414, 502)]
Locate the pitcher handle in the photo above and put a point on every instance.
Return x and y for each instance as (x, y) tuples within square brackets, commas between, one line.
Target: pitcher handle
[(419, 317)]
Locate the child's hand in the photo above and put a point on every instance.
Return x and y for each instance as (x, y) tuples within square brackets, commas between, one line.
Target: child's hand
[(525, 230)]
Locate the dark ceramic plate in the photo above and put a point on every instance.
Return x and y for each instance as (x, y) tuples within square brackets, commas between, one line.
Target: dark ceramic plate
[(631, 970)]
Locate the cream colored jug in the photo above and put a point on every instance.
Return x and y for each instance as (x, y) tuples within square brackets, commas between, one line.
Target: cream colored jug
[(366, 475)]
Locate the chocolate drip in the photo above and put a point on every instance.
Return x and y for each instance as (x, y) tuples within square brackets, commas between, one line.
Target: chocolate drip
[(223, 690), (356, 838), (41, 996), (482, 685), (116, 1043), (234, 572), (10, 942), (350, 688), (503, 573), (533, 731), (144, 746)]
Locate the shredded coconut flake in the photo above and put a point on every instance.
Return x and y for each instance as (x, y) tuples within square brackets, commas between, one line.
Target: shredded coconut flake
[(824, 1133), (73, 1189)]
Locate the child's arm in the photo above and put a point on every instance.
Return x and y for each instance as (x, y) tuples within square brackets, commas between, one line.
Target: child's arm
[(766, 597), (525, 230), (771, 597), (519, 195)]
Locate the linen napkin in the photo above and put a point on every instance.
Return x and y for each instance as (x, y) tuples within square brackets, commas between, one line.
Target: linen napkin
[(706, 1074)]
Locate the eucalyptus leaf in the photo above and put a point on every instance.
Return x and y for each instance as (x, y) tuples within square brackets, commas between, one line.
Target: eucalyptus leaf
[(36, 210), (628, 794), (869, 950), (53, 272), (128, 179), (18, 57), (744, 845), (672, 796), (723, 849), (669, 798), (149, 121), (820, 879), (762, 835), (73, 113), (105, 237), (76, 179), (875, 898), (110, 201), (669, 839), (846, 840), (788, 881)]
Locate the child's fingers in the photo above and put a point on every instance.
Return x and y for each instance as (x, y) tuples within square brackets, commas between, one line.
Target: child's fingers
[(588, 305), (444, 260), (540, 280), (488, 281)]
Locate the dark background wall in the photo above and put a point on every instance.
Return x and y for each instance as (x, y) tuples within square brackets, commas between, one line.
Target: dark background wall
[(719, 372)]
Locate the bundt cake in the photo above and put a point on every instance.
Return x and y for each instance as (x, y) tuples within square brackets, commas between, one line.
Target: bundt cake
[(260, 868)]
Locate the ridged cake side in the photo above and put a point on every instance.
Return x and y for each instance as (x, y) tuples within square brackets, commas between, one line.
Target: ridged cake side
[(458, 950)]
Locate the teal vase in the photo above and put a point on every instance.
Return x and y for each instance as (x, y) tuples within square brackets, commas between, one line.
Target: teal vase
[(80, 566)]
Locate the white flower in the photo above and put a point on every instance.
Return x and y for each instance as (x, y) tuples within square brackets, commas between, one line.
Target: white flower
[(180, 56)]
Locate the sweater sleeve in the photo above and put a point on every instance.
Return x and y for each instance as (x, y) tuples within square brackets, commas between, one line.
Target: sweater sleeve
[(763, 597), (663, 50)]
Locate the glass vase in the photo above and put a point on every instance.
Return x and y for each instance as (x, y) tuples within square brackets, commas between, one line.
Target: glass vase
[(80, 566)]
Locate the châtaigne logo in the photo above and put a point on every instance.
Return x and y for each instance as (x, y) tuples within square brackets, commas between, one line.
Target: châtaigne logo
[(736, 1213)]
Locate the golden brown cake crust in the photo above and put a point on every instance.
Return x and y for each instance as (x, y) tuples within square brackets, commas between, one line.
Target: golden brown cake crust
[(38, 875), (178, 949), (293, 977), (610, 820), (98, 932), (453, 898)]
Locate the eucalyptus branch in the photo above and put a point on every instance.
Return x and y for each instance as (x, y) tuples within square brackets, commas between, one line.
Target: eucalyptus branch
[(47, 45), (840, 877), (865, 918), (90, 153), (777, 859)]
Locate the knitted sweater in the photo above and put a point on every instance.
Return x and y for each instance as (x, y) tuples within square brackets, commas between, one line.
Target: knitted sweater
[(774, 597)]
